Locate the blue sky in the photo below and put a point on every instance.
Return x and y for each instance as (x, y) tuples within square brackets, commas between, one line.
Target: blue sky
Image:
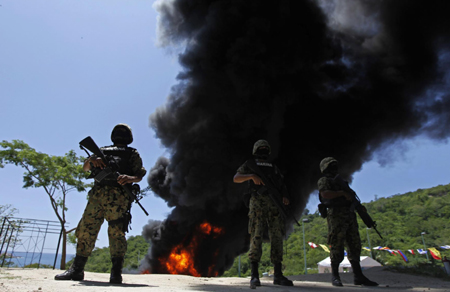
[(71, 69)]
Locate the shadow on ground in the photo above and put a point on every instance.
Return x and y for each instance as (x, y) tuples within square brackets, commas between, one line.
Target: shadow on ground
[(107, 284)]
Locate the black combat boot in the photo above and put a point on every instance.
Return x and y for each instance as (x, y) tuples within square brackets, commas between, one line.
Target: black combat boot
[(254, 276), (76, 270), (116, 270), (335, 279), (359, 278), (278, 278)]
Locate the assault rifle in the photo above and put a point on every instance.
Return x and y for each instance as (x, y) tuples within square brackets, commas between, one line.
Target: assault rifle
[(356, 204), (110, 170), (271, 190)]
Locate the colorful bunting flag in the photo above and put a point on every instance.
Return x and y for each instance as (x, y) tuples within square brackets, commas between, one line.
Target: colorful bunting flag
[(435, 253), (312, 244), (325, 248), (391, 251), (402, 255)]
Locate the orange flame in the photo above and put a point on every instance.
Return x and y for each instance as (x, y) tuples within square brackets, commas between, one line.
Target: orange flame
[(182, 257)]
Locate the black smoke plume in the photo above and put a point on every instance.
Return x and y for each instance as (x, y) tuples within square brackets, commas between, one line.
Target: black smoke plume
[(314, 78)]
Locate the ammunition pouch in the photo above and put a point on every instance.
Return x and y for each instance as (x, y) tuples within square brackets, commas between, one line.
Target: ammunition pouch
[(262, 191), (123, 222)]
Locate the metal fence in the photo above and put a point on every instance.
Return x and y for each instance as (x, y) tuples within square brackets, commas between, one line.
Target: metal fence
[(26, 237)]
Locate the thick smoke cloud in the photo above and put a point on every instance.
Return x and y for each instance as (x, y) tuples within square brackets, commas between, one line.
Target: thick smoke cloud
[(314, 78)]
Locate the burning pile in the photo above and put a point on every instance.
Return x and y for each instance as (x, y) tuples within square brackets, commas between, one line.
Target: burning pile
[(181, 259), (314, 78)]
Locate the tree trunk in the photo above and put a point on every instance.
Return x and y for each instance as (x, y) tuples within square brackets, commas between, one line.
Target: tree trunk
[(63, 253)]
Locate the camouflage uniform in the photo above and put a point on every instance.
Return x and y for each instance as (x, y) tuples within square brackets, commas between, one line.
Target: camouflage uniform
[(264, 214), (110, 203), (342, 224)]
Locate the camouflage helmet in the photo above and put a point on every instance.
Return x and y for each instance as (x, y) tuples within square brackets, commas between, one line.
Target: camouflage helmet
[(326, 162), (260, 143), (121, 134)]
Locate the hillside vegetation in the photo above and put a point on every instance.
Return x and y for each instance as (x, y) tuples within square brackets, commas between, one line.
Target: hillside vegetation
[(400, 219), (100, 259)]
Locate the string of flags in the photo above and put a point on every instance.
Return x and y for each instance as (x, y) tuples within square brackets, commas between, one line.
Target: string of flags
[(433, 251)]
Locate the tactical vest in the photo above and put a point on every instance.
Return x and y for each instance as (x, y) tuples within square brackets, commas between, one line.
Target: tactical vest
[(336, 202), (120, 159), (270, 171)]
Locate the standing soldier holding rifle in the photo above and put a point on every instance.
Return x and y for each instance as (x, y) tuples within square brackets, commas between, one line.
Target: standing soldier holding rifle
[(338, 203), (108, 200), (265, 210)]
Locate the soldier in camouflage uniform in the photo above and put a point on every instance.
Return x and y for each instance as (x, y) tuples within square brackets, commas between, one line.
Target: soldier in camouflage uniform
[(342, 223), (107, 200), (264, 214)]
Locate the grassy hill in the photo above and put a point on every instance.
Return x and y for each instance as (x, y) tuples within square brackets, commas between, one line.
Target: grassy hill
[(100, 259)]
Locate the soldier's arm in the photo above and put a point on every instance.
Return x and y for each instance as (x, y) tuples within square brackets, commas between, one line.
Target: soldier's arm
[(328, 194), (326, 186), (240, 178), (138, 169), (128, 179), (93, 161), (244, 174)]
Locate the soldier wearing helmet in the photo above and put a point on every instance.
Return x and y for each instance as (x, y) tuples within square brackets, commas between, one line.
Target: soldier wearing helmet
[(342, 223), (107, 200), (264, 214), (122, 135)]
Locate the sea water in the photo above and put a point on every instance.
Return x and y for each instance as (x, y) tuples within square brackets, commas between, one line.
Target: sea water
[(22, 259)]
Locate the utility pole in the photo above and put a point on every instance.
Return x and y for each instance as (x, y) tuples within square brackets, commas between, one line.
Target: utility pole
[(239, 267), (424, 246), (304, 244), (368, 239)]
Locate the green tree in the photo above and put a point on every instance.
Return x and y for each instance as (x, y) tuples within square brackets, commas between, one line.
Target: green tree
[(7, 210), (57, 175)]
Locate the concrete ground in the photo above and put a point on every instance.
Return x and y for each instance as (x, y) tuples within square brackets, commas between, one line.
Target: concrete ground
[(41, 280)]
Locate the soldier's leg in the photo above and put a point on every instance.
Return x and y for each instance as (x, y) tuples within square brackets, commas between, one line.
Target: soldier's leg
[(116, 215), (115, 211), (336, 239), (353, 241), (256, 227), (86, 234), (90, 223), (276, 234), (354, 252)]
